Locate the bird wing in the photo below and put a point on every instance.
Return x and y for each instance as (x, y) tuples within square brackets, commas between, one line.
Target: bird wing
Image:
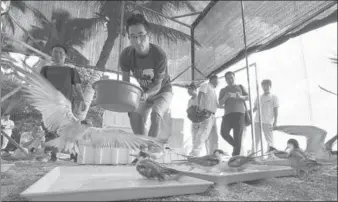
[(55, 108), (118, 138), (298, 154), (300, 130)]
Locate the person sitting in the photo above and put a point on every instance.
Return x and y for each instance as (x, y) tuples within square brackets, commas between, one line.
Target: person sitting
[(32, 142)]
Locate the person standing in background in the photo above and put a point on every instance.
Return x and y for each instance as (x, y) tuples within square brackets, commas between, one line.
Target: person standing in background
[(192, 91), (207, 131), (233, 98), (63, 78), (7, 126), (269, 111)]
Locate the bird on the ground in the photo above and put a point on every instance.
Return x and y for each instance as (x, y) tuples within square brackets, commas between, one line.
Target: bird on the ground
[(241, 162), (303, 165), (298, 159), (206, 163), (57, 116), (325, 150), (150, 169)]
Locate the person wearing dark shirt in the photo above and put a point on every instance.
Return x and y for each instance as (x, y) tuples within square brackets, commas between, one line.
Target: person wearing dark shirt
[(63, 78), (148, 63), (233, 98)]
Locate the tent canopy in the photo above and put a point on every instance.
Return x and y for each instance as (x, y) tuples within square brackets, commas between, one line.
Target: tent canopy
[(216, 27)]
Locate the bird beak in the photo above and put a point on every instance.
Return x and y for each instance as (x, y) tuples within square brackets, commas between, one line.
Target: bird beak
[(286, 148), (133, 155)]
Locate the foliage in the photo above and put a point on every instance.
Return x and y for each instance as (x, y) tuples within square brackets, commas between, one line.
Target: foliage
[(65, 30)]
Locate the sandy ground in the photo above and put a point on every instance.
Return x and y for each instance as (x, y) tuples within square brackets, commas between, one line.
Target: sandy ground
[(321, 186)]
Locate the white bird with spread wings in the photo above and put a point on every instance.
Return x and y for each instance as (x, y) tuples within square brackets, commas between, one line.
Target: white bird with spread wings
[(57, 116)]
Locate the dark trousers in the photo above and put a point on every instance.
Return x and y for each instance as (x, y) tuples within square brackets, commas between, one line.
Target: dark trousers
[(236, 122)]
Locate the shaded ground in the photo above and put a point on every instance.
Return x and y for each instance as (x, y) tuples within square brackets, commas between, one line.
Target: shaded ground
[(321, 186)]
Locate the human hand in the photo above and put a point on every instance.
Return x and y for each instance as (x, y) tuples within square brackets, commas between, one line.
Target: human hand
[(144, 97), (238, 96), (274, 125)]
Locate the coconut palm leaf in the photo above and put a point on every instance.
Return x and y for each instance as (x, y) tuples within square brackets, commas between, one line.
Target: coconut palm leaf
[(164, 8), (20, 5)]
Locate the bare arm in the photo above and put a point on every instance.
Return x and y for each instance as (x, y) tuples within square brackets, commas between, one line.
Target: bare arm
[(255, 105), (245, 95), (275, 114), (154, 88), (79, 91), (275, 110), (199, 98)]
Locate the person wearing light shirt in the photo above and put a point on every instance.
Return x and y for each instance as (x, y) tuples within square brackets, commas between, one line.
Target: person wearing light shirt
[(269, 111), (31, 142), (192, 91), (207, 131), (7, 126)]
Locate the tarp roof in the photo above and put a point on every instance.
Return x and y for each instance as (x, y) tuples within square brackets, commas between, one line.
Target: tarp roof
[(218, 29)]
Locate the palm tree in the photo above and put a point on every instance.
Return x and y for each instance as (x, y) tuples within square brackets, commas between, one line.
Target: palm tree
[(111, 10), (65, 30), (7, 20)]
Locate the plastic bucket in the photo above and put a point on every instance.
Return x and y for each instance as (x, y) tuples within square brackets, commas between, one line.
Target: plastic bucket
[(117, 96)]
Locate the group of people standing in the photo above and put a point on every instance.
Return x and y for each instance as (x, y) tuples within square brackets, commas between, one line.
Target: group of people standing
[(232, 100)]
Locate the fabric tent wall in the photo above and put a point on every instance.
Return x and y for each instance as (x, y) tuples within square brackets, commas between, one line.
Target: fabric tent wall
[(268, 24), (296, 68)]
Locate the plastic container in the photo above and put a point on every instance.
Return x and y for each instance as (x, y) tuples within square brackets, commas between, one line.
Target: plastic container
[(117, 96)]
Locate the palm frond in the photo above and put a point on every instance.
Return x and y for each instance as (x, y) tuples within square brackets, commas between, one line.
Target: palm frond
[(76, 57), (80, 30), (39, 16), (39, 33), (8, 23), (172, 35), (166, 7), (20, 5)]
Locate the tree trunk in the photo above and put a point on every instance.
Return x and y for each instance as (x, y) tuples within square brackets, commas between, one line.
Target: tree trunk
[(106, 50), (88, 95)]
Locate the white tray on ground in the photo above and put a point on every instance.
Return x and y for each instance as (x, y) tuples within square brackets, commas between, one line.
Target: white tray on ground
[(106, 183), (252, 172)]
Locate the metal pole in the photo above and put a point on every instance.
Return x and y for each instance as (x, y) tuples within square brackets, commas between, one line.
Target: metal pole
[(248, 74), (121, 37), (192, 35), (259, 108)]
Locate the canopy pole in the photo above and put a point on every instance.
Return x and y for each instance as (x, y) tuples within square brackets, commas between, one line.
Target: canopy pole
[(259, 109), (248, 76), (192, 35), (121, 38)]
